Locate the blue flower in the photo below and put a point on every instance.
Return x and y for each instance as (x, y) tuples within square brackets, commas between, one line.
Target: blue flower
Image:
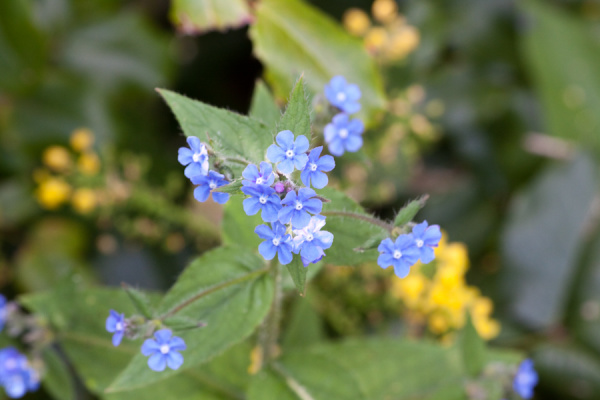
[(343, 134), (343, 95), (525, 379), (263, 177), (16, 375), (313, 171), (263, 198), (196, 157), (401, 254), (297, 207), (276, 241), (163, 350), (289, 153), (311, 241), (426, 238), (115, 323), (3, 311), (207, 183)]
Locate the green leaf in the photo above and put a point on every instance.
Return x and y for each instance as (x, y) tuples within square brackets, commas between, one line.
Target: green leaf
[(563, 57), (57, 379), (229, 134), (140, 301), (298, 273), (349, 231), (263, 106), (305, 326), (232, 188), (229, 290), (238, 228), (542, 238), (472, 348), (408, 212), (291, 37), (197, 16), (178, 323), (297, 113), (372, 242)]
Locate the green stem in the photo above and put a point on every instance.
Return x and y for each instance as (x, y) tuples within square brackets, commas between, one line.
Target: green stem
[(269, 333), (360, 217), (243, 278)]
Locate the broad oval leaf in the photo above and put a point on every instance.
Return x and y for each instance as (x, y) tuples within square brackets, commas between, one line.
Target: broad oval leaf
[(197, 16)]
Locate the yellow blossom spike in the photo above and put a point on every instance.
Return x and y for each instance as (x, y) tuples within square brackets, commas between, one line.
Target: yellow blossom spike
[(88, 163), (256, 360), (82, 139), (57, 158), (385, 11), (376, 39), (438, 323), (404, 42), (84, 200), (52, 193), (356, 21)]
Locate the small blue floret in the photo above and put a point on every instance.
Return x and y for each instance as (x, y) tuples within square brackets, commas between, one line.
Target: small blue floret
[(252, 176), (314, 171), (207, 183), (401, 254), (343, 95), (262, 197), (525, 379), (276, 242), (426, 238), (16, 374), (3, 311), (115, 323), (297, 208), (343, 134), (289, 153), (164, 350), (196, 157), (310, 241)]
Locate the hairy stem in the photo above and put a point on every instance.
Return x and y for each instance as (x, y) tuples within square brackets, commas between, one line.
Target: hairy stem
[(360, 217), (269, 333)]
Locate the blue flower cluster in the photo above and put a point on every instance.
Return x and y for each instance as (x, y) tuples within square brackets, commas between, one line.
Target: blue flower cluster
[(196, 158), (3, 311), (343, 134), (525, 379), (163, 350), (409, 248), (17, 377), (292, 212)]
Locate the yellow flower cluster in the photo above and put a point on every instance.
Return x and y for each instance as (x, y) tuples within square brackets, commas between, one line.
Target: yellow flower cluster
[(60, 164), (390, 37), (438, 294)]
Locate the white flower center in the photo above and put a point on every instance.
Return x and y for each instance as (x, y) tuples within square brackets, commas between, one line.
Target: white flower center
[(397, 254), (119, 326), (289, 153), (309, 237), (341, 96), (165, 348), (197, 157), (419, 243), (262, 199), (343, 133), (298, 206), (313, 166), (276, 241), (259, 180), (212, 185)]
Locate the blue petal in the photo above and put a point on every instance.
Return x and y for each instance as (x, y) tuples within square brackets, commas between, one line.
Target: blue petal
[(341, 120), (111, 322), (305, 176), (313, 206), (300, 161), (289, 198), (177, 344), (330, 132), (353, 92), (419, 229), (401, 270), (310, 252), (279, 230), (324, 238), (286, 166), (355, 127), (185, 156), (405, 241), (163, 336), (354, 143), (174, 360), (201, 193), (194, 143), (194, 169), (314, 154), (305, 193), (157, 362), (319, 180), (326, 163), (336, 147), (250, 172), (251, 206), (117, 337), (427, 255), (270, 212), (264, 232), (350, 107), (384, 260), (275, 153), (285, 139), (285, 214), (432, 235), (149, 347), (199, 180), (220, 197), (338, 83), (301, 144), (267, 250), (300, 219), (386, 246), (14, 385), (284, 254)]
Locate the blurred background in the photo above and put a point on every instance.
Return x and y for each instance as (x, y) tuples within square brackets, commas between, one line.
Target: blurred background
[(493, 110)]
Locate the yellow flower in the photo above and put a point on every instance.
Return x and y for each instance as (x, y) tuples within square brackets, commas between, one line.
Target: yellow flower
[(410, 288), (376, 39), (438, 323), (487, 328), (89, 163), (385, 11), (455, 254), (256, 360), (82, 139), (53, 192), (356, 21), (403, 42), (84, 200), (57, 158)]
